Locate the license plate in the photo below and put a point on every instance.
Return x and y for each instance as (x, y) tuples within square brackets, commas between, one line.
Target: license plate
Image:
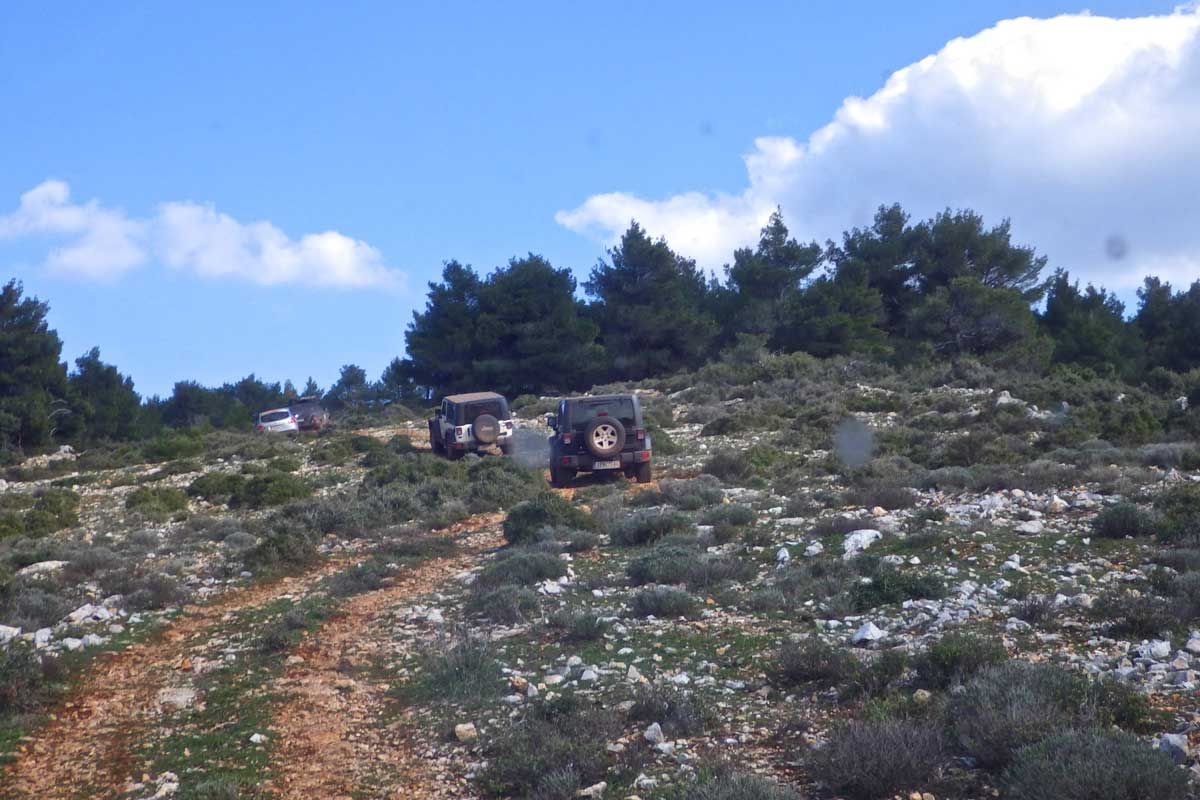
[(606, 465)]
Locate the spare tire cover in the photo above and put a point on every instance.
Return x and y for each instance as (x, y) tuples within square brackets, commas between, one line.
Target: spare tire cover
[(604, 437), (487, 428)]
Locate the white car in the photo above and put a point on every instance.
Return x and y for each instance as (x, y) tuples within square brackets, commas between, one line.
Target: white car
[(277, 420)]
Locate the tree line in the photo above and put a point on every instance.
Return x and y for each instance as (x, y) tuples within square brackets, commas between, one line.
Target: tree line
[(898, 290)]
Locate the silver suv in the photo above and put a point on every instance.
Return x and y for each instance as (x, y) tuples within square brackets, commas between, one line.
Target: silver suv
[(466, 423)]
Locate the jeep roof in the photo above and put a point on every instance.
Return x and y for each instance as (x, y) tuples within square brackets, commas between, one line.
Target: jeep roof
[(473, 397)]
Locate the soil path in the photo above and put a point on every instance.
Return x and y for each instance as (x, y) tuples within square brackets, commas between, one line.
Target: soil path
[(330, 742), (86, 748)]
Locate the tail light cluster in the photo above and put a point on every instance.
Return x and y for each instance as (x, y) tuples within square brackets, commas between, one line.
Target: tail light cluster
[(639, 433), (568, 437)]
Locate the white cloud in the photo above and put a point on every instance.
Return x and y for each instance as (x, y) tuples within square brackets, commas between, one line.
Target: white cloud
[(1082, 129), (103, 243)]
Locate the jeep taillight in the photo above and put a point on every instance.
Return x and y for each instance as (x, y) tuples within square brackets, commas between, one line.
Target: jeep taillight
[(639, 433), (568, 437)]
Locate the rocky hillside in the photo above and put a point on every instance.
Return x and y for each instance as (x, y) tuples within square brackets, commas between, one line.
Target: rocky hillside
[(845, 582)]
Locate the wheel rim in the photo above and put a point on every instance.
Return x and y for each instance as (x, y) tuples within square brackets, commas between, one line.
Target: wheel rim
[(604, 437)]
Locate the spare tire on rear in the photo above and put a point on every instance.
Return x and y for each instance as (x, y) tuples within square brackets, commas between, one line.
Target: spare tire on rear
[(604, 437), (487, 428)]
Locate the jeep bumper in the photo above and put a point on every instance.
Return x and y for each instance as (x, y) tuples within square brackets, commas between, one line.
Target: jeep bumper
[(586, 462)]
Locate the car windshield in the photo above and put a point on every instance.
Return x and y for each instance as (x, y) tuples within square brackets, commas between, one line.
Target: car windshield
[(273, 416), (497, 408), (584, 411)]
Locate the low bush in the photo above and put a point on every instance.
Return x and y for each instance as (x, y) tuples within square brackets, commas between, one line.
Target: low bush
[(733, 514), (271, 489), (495, 483), (22, 678), (884, 495), (644, 527), (507, 604), (1136, 614), (664, 602), (887, 584), (813, 661), (1179, 508), (1093, 765), (152, 591), (30, 607), (1006, 707), (170, 445), (359, 579), (217, 487), (713, 570), (662, 564), (837, 526), (731, 785), (1121, 520), (557, 746), (691, 494), (522, 569), (955, 658), (282, 549), (284, 464), (526, 519), (405, 544), (460, 667), (679, 713), (870, 759), (578, 626), (730, 467), (156, 501)]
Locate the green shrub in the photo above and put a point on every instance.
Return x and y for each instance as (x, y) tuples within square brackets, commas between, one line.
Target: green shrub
[(711, 570), (1133, 613), (870, 759), (956, 657), (526, 519), (507, 604), (30, 607), (730, 467), (1093, 765), (216, 486), (359, 579), (282, 549), (662, 564), (170, 445), (156, 501), (648, 526), (284, 464), (557, 745), (691, 494), (678, 712), (890, 585), (1006, 707), (272, 489), (732, 785), (813, 661), (578, 626), (1179, 508), (11, 525), (884, 495), (460, 668), (22, 678), (522, 568), (495, 483), (733, 514), (723, 426), (664, 602), (1121, 520)]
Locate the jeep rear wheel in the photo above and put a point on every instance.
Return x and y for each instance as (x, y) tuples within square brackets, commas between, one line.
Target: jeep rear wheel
[(642, 472), (435, 443), (604, 437)]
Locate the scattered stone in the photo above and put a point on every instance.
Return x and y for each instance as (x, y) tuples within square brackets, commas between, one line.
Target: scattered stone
[(257, 738), (8, 633), (857, 541), (176, 698), (1030, 528), (466, 732), (1176, 746), (868, 633)]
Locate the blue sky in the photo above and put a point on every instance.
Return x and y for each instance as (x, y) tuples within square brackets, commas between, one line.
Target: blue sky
[(425, 133)]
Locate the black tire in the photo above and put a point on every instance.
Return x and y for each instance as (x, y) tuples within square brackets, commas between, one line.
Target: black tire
[(604, 437), (561, 476), (435, 444), (455, 455), (506, 448), (487, 428), (642, 472)]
